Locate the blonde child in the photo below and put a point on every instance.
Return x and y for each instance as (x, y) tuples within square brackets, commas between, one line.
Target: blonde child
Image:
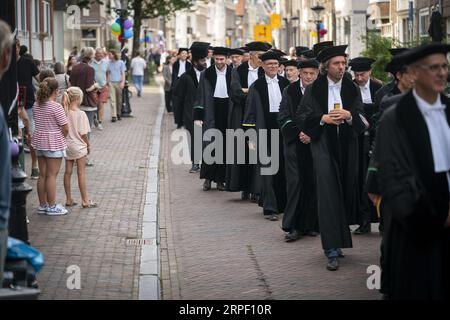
[(78, 146)]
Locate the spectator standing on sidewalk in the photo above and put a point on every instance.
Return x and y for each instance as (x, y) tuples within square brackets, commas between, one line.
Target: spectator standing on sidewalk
[(167, 75), (50, 144), (101, 67), (63, 80), (70, 63), (138, 65), (5, 157), (78, 146), (117, 71), (26, 72)]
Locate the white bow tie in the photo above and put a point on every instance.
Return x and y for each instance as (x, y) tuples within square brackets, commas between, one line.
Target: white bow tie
[(335, 86), (273, 80)]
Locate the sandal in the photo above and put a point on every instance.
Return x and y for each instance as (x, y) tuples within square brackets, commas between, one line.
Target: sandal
[(71, 204), (90, 204)]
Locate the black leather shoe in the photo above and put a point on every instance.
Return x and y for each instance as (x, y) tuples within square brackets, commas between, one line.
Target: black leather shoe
[(311, 233), (195, 168), (245, 195), (272, 217), (254, 198), (207, 185), (363, 229), (332, 264), (119, 117), (113, 119), (292, 236), (221, 186)]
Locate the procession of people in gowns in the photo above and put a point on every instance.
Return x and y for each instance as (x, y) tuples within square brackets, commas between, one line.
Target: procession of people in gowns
[(344, 148)]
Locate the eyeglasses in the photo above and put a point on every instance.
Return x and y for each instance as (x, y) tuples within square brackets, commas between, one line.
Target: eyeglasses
[(275, 64), (434, 68)]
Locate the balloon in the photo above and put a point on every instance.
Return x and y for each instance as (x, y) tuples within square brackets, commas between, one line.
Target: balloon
[(147, 39), (322, 26), (119, 38), (116, 34), (141, 40), (115, 27), (313, 34), (323, 32), (128, 34), (118, 20), (14, 149), (127, 24)]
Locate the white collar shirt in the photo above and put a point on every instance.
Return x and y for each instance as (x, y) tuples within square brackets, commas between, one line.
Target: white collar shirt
[(197, 73), (365, 93), (439, 131), (274, 93), (221, 84), (252, 75), (334, 93), (302, 87), (182, 68)]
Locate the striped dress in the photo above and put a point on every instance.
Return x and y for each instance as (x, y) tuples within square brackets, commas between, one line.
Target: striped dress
[(48, 118)]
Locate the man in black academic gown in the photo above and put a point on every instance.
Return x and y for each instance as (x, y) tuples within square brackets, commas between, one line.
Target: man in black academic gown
[(210, 57), (211, 112), (244, 177), (185, 95), (300, 215), (362, 68), (412, 153), (263, 103), (331, 114), (180, 66), (291, 71)]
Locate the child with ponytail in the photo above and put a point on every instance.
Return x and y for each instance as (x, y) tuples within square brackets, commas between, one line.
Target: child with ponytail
[(78, 146)]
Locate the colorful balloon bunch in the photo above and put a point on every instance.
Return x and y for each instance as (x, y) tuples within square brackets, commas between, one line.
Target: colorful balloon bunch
[(116, 29), (322, 31)]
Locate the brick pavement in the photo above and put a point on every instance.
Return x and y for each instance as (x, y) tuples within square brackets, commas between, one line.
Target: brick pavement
[(215, 246), (94, 239)]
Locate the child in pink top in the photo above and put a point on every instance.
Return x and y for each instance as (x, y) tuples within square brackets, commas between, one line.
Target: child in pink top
[(78, 146)]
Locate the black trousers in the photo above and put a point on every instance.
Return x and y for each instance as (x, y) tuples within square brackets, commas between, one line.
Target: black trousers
[(168, 98)]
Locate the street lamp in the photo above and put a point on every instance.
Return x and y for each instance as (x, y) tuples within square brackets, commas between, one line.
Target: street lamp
[(123, 14), (317, 9)]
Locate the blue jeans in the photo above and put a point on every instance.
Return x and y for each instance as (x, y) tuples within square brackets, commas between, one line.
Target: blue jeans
[(332, 253), (137, 82)]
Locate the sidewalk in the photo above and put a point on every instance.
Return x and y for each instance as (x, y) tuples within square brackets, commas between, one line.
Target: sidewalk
[(216, 246), (95, 240)]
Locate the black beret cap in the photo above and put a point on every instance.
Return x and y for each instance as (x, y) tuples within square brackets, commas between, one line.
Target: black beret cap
[(258, 46), (237, 51), (290, 63), (331, 52), (320, 46), (221, 51), (310, 63), (361, 64), (300, 49), (199, 50), (422, 51), (270, 55), (180, 50)]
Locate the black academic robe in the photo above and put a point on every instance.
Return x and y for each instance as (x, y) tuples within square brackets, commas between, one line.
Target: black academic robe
[(258, 115), (367, 212), (214, 116), (301, 207), (240, 177), (176, 68), (184, 98), (415, 201), (335, 159)]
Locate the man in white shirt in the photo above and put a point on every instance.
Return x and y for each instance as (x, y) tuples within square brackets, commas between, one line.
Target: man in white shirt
[(211, 112), (331, 114), (362, 70), (181, 65), (210, 58), (138, 65), (412, 156)]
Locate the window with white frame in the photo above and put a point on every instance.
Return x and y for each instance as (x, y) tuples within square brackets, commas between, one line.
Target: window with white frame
[(424, 21), (35, 28), (21, 15), (47, 19)]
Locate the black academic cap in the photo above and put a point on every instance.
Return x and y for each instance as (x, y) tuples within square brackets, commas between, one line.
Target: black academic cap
[(395, 65), (422, 51), (289, 63), (320, 46), (309, 54), (258, 46), (396, 51), (361, 64), (300, 49), (270, 55), (222, 51), (331, 52), (199, 50), (182, 49), (310, 63), (237, 51), (245, 49), (281, 53)]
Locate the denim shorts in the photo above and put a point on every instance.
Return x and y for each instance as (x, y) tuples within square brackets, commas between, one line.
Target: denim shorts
[(31, 120), (51, 154)]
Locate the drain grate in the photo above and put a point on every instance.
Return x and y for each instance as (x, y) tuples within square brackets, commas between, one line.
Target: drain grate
[(140, 242)]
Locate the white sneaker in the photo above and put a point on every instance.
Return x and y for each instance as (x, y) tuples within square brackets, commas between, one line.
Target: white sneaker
[(56, 210), (42, 209), (100, 126)]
